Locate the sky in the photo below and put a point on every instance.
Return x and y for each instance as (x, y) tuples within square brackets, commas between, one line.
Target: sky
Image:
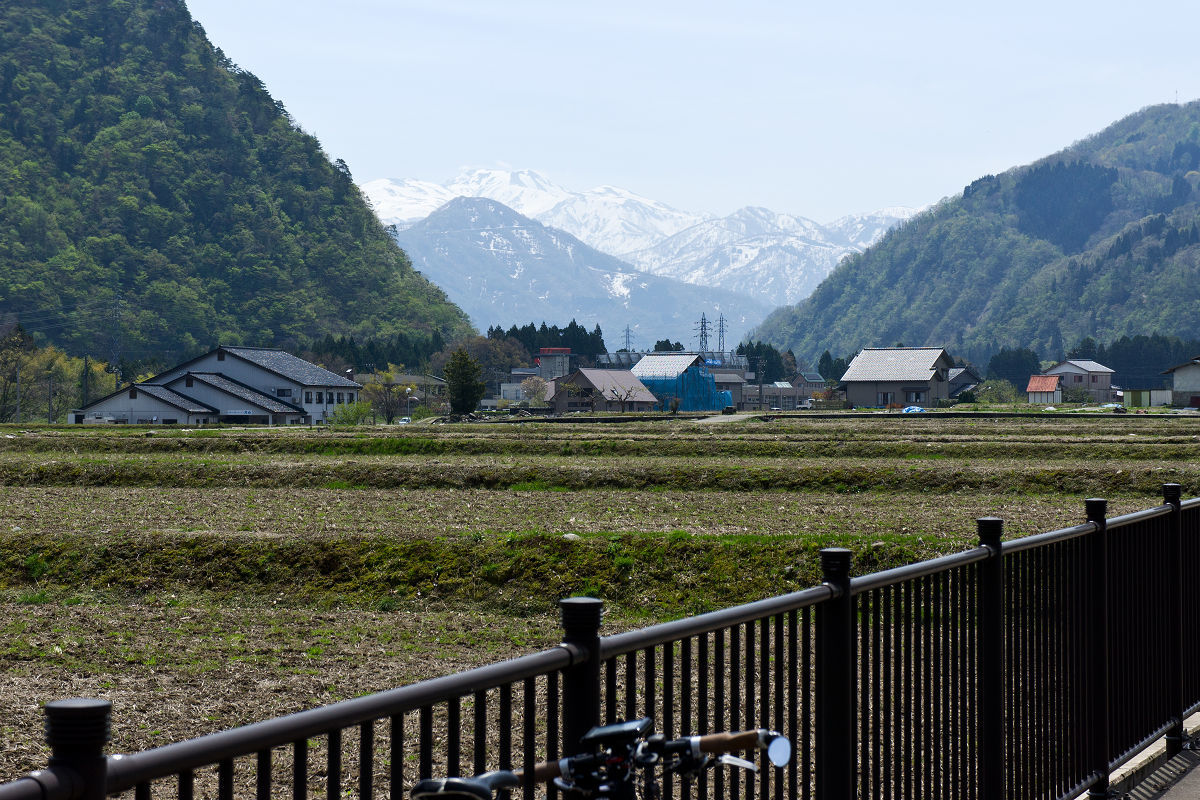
[(814, 109)]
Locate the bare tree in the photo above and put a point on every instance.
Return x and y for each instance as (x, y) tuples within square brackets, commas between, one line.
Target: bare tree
[(533, 389)]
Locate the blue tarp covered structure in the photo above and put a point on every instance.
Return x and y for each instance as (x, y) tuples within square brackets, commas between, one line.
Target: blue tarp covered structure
[(683, 376)]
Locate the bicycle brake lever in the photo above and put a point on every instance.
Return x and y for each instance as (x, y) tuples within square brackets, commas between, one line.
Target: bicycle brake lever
[(734, 761)]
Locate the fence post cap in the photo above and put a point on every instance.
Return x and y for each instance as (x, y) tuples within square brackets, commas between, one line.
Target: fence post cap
[(990, 530), (1097, 508), (835, 561), (581, 614), (78, 723), (1172, 492)]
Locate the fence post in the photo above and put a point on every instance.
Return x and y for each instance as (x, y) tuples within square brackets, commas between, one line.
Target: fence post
[(836, 668), (990, 650), (1172, 496), (1097, 655), (581, 680), (77, 731)]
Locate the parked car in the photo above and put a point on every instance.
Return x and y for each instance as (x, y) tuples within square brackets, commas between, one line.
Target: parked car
[(405, 420)]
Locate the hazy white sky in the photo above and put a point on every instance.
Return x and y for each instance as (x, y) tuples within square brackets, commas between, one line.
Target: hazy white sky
[(813, 109)]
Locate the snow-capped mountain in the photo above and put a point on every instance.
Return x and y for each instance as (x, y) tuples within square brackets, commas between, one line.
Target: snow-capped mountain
[(614, 221), (777, 258), (503, 268), (617, 221)]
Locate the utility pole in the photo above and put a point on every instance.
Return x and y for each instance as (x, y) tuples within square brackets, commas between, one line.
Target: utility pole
[(50, 397), (18, 388), (86, 370), (115, 342)]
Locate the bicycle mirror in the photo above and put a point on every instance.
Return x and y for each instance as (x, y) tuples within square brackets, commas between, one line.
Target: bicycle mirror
[(779, 751)]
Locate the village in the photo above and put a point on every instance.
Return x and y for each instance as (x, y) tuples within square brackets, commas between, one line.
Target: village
[(264, 386)]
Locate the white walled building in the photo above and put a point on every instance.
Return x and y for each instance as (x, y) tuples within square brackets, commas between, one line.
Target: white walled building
[(1185, 383), (247, 385)]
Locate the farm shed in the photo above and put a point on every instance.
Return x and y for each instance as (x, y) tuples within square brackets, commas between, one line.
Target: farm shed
[(1185, 383), (1044, 389)]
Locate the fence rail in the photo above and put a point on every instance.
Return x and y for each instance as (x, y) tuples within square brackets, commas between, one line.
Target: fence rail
[(1031, 668)]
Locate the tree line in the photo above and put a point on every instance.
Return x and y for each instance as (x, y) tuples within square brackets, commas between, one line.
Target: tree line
[(152, 189), (533, 338)]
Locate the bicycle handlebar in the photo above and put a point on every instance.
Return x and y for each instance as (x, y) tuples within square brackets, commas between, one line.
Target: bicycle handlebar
[(693, 750), (777, 746)]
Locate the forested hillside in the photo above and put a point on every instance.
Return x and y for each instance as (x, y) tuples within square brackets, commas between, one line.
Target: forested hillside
[(1101, 240), (155, 200)]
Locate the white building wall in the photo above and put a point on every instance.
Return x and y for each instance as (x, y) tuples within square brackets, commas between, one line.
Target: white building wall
[(144, 408), (1187, 379)]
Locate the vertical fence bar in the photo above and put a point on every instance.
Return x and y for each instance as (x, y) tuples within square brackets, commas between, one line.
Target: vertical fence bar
[(581, 680), (778, 675), (667, 718), (506, 725), (685, 700), (528, 735), (799, 742), (553, 727), (835, 685), (425, 742), (454, 736), (333, 758), (1098, 655), (479, 755), (366, 760), (262, 786), (396, 756), (1173, 616), (299, 771), (702, 703), (990, 668)]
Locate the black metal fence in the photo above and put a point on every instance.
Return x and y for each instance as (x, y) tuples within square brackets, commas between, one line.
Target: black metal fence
[(1024, 669)]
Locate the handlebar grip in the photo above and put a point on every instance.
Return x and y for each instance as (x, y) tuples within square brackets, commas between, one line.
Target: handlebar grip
[(543, 771), (730, 742)]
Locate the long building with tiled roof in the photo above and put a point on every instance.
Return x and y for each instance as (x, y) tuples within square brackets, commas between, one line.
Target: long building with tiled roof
[(246, 385)]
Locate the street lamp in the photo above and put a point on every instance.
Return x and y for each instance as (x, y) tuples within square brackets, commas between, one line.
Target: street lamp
[(408, 401)]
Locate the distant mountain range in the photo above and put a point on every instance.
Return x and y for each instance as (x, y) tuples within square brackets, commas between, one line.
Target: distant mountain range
[(504, 268), (1100, 240), (775, 258)]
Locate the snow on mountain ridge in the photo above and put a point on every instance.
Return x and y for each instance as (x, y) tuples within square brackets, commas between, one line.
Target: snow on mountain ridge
[(787, 255)]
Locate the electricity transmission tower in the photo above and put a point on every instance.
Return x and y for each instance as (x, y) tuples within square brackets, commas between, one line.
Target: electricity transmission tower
[(628, 339), (721, 335), (702, 329)]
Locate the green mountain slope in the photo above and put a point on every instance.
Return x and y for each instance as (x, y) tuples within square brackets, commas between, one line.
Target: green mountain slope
[(1101, 240), (154, 194)]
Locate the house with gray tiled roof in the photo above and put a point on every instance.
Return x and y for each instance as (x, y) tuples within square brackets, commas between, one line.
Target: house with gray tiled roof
[(604, 390), (879, 377), (1079, 373), (247, 385)]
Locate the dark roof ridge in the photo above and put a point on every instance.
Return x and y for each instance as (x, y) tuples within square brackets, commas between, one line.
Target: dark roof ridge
[(203, 375)]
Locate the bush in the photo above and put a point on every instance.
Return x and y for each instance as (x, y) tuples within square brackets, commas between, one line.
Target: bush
[(1076, 394), (998, 392), (352, 414)]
